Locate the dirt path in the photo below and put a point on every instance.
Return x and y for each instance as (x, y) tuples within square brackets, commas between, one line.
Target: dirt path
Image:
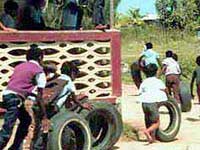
[(187, 139)]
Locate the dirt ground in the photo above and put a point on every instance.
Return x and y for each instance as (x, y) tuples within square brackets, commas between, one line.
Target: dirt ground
[(187, 139)]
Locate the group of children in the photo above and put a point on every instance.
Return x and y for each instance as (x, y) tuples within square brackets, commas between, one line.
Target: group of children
[(65, 15), (153, 91), (27, 84)]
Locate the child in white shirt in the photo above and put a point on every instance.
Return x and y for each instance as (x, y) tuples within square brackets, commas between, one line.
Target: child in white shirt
[(172, 71), (152, 91)]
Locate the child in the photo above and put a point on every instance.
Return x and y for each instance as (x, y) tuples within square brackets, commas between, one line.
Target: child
[(196, 75), (152, 91), (172, 71), (149, 56), (63, 88), (20, 86), (8, 18), (68, 73)]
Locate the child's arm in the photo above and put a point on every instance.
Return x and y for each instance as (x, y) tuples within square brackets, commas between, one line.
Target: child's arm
[(140, 62), (192, 83), (84, 106), (164, 68), (166, 91), (159, 62), (6, 28)]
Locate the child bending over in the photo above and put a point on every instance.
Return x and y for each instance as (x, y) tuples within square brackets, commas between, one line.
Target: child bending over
[(152, 91)]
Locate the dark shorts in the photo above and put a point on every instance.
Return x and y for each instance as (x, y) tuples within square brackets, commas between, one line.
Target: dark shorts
[(172, 80), (151, 113)]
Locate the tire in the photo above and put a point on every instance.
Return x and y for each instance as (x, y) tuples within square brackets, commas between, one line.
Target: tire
[(172, 130), (136, 74), (105, 123), (69, 132), (185, 97)]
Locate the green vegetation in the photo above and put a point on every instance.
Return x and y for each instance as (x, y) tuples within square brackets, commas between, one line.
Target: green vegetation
[(179, 14), (185, 44), (130, 133)]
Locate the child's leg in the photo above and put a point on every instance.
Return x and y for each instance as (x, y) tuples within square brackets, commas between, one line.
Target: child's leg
[(154, 126), (198, 92), (151, 112)]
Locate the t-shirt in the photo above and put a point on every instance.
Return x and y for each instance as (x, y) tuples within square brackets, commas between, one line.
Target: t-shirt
[(8, 20), (150, 56), (151, 91), (172, 66), (40, 80), (67, 90)]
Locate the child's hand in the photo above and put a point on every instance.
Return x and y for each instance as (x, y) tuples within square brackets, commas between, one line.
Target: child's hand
[(45, 125), (10, 30), (87, 106)]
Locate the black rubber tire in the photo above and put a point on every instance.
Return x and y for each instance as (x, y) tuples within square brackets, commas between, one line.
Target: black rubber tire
[(105, 123), (185, 97), (172, 130), (70, 128), (136, 74)]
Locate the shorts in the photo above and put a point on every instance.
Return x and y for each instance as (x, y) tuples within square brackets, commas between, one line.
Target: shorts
[(172, 80), (151, 113)]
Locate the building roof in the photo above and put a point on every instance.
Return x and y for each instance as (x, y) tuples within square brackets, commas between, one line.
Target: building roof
[(150, 17)]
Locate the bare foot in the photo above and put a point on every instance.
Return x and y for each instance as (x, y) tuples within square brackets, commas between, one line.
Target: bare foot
[(150, 139)]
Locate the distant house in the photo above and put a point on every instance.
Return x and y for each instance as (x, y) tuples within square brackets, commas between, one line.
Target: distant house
[(151, 19)]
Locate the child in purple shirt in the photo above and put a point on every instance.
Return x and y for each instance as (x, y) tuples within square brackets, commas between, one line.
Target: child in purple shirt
[(20, 86)]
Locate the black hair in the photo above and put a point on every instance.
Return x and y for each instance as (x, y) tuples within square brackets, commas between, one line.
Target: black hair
[(150, 70), (169, 53), (10, 5), (175, 56), (198, 60), (68, 68), (34, 53), (149, 45)]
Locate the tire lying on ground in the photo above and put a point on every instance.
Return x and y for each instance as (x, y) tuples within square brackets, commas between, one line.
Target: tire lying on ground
[(105, 123), (69, 132), (172, 130), (185, 97)]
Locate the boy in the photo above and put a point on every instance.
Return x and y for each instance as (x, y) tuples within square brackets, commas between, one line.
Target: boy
[(152, 91), (149, 56), (68, 73), (172, 71), (19, 87), (8, 19), (196, 75)]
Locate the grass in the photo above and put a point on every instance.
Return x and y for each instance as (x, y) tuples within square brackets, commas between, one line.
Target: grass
[(186, 45), (129, 133)]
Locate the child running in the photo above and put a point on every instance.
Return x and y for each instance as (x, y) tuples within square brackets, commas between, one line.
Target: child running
[(152, 91), (172, 72), (196, 75)]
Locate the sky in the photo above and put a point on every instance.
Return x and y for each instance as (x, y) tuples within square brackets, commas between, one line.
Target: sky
[(146, 6)]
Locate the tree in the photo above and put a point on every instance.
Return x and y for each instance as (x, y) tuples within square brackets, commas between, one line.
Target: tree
[(107, 8), (177, 14)]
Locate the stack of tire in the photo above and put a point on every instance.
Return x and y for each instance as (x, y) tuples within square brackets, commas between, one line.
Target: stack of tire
[(98, 129)]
